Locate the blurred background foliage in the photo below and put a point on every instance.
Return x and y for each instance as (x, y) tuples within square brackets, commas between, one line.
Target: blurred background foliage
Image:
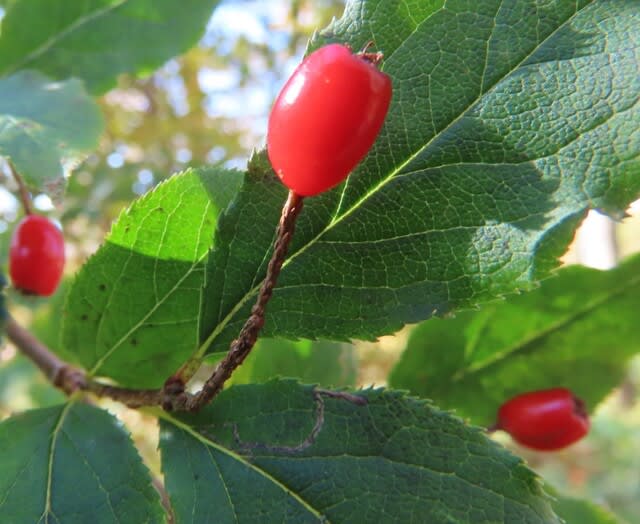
[(210, 106)]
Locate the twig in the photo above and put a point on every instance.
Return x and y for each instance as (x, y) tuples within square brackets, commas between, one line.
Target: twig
[(133, 398), (175, 396), (61, 374), (25, 197), (70, 379)]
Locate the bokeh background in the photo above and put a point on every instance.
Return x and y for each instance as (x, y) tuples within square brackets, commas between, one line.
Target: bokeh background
[(210, 106)]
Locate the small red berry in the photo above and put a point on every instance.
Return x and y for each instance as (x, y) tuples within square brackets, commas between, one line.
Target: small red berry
[(326, 118), (36, 256), (546, 420)]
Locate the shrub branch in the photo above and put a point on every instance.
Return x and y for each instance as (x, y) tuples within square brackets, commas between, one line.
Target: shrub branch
[(172, 396), (175, 396)]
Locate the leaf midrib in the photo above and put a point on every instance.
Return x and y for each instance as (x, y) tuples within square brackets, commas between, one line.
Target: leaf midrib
[(202, 350), (231, 454), (54, 438), (523, 346), (58, 37)]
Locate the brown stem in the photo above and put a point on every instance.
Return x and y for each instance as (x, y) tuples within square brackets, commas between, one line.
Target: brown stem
[(173, 395), (241, 347), (25, 197), (59, 373), (70, 379), (133, 398)]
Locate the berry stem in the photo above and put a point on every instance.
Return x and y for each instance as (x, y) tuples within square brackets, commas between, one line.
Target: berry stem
[(241, 346), (25, 197)]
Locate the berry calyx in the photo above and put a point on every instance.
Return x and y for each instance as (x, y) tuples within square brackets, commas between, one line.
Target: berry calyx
[(326, 118), (545, 420), (36, 256)]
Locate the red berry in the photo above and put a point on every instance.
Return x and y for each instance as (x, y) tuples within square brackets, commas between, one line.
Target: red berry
[(36, 256), (326, 118), (545, 420)]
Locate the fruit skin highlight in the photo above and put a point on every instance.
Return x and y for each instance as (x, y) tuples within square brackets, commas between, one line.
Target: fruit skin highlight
[(326, 118), (545, 420), (36, 256)]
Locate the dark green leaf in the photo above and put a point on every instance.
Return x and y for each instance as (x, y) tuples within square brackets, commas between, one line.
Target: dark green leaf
[(46, 127), (577, 330), (132, 312), (313, 362), (72, 464), (98, 40), (281, 452), (508, 122)]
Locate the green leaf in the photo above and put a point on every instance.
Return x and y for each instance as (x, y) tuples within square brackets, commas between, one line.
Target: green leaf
[(283, 452), (507, 124), (578, 330), (132, 311), (3, 310), (100, 39), (576, 511), (46, 127), (315, 362), (72, 464)]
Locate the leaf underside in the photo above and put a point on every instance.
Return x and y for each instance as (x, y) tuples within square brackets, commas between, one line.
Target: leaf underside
[(46, 127), (577, 330), (100, 39)]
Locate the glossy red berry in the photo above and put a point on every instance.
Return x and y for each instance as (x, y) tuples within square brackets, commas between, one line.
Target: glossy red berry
[(36, 256), (326, 118), (546, 420)]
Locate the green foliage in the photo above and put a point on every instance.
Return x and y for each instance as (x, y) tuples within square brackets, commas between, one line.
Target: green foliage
[(576, 511), (476, 183), (72, 463), (46, 127), (508, 122), (132, 311), (577, 330), (98, 40), (314, 457), (313, 362), (3, 311)]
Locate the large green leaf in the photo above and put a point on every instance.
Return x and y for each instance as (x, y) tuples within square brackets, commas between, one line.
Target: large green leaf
[(72, 464), (46, 127), (508, 122), (132, 312), (313, 362), (97, 40), (281, 452), (577, 330)]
